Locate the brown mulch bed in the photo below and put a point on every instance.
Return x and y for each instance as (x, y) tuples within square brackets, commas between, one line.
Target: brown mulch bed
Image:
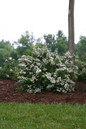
[(8, 93)]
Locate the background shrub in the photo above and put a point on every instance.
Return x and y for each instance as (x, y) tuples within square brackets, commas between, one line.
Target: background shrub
[(9, 69), (81, 70)]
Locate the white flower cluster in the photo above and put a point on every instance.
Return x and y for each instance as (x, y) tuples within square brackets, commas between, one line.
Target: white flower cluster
[(44, 70), (67, 59)]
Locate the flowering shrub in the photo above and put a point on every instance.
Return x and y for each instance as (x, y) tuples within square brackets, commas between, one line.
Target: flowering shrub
[(9, 69), (44, 70)]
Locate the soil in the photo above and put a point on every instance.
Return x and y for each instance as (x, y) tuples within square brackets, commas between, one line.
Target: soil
[(8, 93)]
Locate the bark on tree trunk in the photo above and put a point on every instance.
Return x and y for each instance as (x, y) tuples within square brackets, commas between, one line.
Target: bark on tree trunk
[(71, 27)]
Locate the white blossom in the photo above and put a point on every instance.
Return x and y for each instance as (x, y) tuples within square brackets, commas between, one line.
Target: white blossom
[(58, 79), (11, 70), (49, 86), (45, 61), (52, 80), (33, 78), (10, 58), (22, 65), (29, 90), (38, 70), (37, 90), (7, 76)]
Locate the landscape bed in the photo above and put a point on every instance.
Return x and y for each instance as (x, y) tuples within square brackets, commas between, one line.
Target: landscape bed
[(9, 93)]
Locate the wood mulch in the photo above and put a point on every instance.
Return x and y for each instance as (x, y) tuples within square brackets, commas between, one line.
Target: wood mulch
[(8, 93)]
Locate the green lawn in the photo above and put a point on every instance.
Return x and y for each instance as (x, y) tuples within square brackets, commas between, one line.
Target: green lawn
[(40, 116)]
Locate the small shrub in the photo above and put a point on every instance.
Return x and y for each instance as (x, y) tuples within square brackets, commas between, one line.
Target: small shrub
[(81, 70), (9, 69), (44, 70)]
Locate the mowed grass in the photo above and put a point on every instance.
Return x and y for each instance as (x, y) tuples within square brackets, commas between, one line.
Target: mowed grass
[(40, 116)]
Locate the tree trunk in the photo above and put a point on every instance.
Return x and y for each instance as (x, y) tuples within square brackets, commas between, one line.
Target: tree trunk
[(71, 27)]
